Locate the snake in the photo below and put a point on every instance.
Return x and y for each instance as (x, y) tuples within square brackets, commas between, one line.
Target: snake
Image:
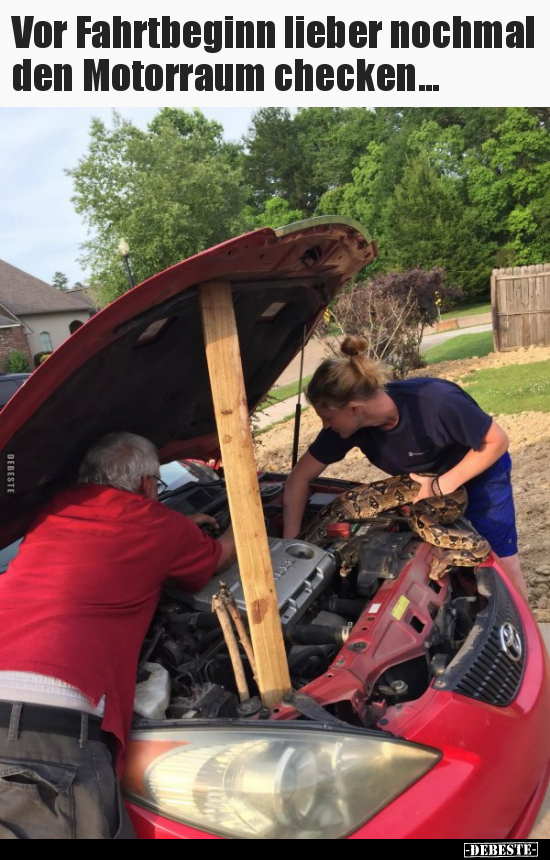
[(431, 519)]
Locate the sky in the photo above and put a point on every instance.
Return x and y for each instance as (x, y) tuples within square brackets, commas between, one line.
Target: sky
[(40, 231)]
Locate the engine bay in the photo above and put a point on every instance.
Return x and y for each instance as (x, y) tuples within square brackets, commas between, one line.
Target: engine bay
[(359, 641)]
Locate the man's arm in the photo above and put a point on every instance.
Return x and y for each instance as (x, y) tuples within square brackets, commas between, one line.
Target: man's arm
[(228, 554), (227, 540), (195, 560)]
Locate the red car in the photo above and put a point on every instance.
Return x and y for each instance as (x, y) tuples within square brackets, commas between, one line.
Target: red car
[(419, 709)]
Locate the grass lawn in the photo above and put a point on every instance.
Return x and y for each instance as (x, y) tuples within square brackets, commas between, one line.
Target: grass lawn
[(461, 346), (467, 311), (507, 390), (503, 390), (269, 427), (284, 392)]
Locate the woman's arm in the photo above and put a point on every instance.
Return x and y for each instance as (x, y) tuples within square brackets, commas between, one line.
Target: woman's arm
[(297, 492), (494, 444)]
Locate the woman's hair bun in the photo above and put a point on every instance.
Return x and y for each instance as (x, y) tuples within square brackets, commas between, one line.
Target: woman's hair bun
[(352, 346)]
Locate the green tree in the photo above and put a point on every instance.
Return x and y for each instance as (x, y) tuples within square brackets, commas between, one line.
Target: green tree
[(331, 141), (375, 175), (273, 165), (429, 225), (194, 126), (170, 191), (276, 213), (189, 124), (445, 147), (60, 281), (299, 157), (540, 241), (508, 184), (476, 125), (361, 198)]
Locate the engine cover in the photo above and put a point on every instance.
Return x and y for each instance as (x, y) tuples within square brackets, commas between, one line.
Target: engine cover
[(301, 571)]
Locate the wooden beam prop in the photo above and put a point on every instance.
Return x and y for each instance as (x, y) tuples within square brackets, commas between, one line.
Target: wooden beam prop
[(245, 506)]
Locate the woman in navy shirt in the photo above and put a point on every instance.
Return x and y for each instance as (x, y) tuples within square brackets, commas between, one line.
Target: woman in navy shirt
[(408, 427)]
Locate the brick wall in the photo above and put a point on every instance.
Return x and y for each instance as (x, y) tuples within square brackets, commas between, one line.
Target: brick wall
[(10, 339)]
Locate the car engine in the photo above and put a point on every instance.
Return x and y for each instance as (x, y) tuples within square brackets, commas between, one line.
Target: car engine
[(359, 642)]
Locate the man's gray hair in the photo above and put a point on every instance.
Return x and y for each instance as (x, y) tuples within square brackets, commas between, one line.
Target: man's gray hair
[(119, 460)]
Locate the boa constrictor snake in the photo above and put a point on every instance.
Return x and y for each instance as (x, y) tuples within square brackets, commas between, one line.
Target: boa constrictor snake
[(430, 519)]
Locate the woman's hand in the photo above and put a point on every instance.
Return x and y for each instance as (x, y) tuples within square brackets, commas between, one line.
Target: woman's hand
[(297, 492), (426, 490)]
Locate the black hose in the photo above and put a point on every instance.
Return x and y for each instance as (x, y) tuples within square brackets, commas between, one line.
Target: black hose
[(204, 620), (301, 657), (345, 606)]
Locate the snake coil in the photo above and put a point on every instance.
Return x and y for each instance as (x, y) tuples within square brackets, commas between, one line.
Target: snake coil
[(431, 519)]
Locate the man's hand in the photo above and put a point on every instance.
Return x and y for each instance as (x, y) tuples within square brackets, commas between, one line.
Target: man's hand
[(426, 490), (203, 520)]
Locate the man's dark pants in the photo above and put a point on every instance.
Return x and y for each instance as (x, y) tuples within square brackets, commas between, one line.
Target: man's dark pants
[(57, 787)]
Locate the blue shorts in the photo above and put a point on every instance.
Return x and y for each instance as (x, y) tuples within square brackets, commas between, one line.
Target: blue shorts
[(491, 507)]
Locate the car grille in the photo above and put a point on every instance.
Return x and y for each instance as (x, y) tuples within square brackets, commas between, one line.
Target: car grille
[(488, 671)]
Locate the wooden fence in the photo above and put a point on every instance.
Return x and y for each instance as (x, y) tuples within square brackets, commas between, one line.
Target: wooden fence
[(520, 299)]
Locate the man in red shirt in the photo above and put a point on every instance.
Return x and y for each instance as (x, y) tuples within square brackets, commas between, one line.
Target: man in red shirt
[(76, 604)]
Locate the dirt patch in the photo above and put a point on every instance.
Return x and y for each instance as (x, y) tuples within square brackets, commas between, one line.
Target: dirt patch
[(529, 434)]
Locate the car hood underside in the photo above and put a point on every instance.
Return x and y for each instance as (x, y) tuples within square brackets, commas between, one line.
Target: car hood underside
[(139, 365)]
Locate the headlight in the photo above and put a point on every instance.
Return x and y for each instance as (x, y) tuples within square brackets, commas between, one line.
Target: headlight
[(276, 783)]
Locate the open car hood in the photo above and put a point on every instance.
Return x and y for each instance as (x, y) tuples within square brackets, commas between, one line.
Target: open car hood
[(139, 365)]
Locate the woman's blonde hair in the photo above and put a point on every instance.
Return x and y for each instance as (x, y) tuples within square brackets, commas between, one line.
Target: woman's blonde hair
[(337, 381)]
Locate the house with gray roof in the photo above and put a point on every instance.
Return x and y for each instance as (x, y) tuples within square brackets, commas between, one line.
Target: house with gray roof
[(34, 316)]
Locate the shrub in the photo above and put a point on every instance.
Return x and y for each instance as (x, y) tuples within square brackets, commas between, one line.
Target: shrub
[(391, 312), (39, 357), (16, 362)]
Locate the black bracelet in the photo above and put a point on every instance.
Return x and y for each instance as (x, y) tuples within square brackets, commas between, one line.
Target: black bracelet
[(436, 489)]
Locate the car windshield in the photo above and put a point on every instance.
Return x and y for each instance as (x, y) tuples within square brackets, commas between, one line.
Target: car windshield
[(8, 553), (175, 475)]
